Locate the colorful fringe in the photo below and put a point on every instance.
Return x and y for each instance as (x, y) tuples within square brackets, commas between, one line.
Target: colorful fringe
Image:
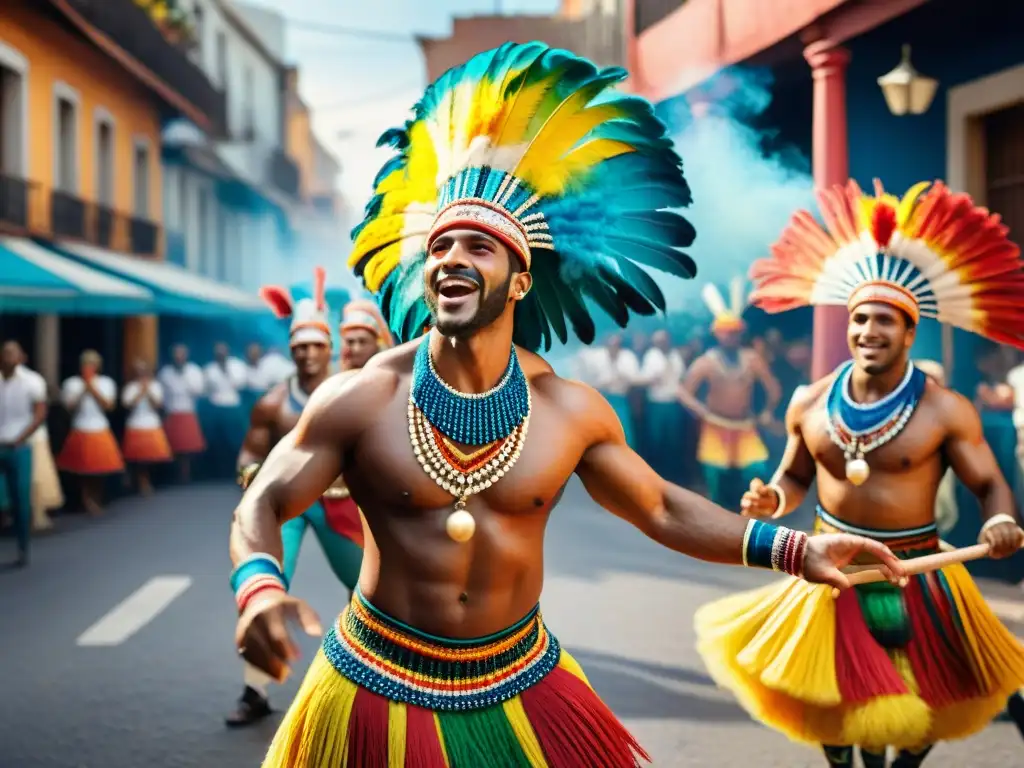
[(877, 667), (726, 448), (380, 694)]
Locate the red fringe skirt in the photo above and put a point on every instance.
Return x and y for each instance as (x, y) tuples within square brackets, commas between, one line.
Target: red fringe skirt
[(184, 434), (379, 694), (146, 446)]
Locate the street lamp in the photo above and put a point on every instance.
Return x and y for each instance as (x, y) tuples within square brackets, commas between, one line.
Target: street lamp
[(907, 90)]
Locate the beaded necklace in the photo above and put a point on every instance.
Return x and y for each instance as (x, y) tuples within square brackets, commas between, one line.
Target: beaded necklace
[(859, 428), (494, 422)]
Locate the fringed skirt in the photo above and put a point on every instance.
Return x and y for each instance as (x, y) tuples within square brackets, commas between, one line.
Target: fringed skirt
[(146, 446), (880, 666), (380, 694), (184, 434)]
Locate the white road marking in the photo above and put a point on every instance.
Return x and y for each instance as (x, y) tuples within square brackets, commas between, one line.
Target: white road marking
[(135, 611)]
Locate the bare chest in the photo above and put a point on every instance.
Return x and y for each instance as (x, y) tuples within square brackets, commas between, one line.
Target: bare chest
[(919, 443), (385, 474)]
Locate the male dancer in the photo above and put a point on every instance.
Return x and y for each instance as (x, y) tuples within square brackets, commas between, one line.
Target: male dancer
[(276, 414), (881, 666), (729, 442), (442, 658)]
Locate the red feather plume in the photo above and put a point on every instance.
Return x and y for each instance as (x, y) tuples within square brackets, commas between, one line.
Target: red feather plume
[(320, 288), (278, 299)]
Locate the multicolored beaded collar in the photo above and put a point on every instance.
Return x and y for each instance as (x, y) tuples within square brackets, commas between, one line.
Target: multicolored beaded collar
[(859, 428), (442, 420)]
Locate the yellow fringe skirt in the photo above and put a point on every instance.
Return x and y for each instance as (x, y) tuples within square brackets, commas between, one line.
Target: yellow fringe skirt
[(877, 667)]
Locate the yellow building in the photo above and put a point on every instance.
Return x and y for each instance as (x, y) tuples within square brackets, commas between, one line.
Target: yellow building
[(84, 90)]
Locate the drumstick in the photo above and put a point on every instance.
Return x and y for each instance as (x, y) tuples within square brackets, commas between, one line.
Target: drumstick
[(873, 573)]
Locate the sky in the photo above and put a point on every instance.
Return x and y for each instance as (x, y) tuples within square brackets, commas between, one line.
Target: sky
[(357, 88)]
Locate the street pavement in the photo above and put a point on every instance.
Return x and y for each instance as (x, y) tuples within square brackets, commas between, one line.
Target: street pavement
[(78, 690)]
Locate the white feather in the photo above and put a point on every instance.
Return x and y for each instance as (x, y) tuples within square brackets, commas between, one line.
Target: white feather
[(737, 299), (713, 300)]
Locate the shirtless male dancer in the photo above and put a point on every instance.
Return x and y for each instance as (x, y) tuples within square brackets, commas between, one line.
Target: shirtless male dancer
[(729, 442), (441, 658), (337, 526), (881, 666)]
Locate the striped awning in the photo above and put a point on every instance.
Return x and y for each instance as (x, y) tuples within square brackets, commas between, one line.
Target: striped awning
[(35, 279), (177, 290)]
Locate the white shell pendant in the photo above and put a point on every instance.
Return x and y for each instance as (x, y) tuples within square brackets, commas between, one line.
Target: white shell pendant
[(857, 471), (460, 525)]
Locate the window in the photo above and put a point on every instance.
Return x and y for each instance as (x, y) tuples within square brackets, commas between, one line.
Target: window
[(1004, 173), (141, 178), (13, 112), (66, 172), (248, 126), (183, 209), (222, 60), (105, 161)]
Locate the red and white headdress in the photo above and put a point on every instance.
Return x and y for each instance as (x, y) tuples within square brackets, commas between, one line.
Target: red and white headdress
[(933, 254), (365, 315), (310, 324)]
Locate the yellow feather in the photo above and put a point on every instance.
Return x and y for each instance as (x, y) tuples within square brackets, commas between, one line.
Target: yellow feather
[(558, 176), (906, 205), (381, 265), (522, 111)]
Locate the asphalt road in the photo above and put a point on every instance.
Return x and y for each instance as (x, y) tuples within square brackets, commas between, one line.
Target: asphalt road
[(156, 698)]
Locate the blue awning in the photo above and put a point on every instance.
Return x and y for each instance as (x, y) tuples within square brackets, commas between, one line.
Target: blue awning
[(34, 279), (177, 290)]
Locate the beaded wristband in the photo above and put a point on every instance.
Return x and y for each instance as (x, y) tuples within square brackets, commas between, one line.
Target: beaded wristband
[(774, 546), (256, 573)]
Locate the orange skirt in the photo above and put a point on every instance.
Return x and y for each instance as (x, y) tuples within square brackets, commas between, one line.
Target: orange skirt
[(146, 446), (90, 453), (184, 434)]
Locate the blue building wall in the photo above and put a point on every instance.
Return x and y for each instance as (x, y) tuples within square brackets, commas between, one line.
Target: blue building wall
[(902, 151)]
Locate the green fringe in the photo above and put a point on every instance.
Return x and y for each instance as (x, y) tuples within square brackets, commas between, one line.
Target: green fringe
[(481, 738), (885, 613)]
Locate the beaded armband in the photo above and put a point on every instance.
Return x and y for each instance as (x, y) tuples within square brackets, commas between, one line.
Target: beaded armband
[(255, 575), (774, 546), (247, 473)]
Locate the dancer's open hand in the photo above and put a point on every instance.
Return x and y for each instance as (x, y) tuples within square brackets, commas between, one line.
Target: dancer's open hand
[(760, 501), (826, 555), (262, 635)]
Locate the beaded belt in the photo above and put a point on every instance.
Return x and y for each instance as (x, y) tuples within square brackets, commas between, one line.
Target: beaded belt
[(905, 542), (403, 664)]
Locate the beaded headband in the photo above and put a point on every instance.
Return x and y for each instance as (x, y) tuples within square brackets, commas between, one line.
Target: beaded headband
[(885, 292)]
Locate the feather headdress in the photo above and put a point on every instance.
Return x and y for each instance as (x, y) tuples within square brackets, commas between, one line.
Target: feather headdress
[(309, 314), (727, 317), (933, 254), (363, 314), (531, 145)]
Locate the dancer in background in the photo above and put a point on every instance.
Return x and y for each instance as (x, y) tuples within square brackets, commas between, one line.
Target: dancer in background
[(145, 442), (22, 412), (275, 415), (509, 199), (882, 666), (661, 373), (182, 382), (730, 447), (615, 371), (222, 416), (90, 451)]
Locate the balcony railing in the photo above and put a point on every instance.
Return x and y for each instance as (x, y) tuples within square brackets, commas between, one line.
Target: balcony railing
[(67, 215), (131, 28), (284, 173), (143, 236), (14, 202), (104, 221)]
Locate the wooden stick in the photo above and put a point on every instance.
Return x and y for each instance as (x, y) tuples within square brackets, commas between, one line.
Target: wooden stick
[(859, 574)]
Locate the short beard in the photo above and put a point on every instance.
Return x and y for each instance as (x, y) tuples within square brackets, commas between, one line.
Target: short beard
[(491, 306)]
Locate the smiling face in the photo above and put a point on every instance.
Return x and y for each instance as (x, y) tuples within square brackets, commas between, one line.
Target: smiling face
[(879, 337), (358, 345), (470, 280), (310, 359)]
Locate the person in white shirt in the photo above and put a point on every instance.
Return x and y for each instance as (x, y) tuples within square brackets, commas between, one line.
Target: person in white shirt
[(256, 380), (90, 451), (182, 382), (224, 419), (616, 371), (145, 441), (47, 493), (661, 373), (22, 410), (274, 368)]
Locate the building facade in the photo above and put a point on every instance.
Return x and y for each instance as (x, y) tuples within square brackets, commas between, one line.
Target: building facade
[(84, 89)]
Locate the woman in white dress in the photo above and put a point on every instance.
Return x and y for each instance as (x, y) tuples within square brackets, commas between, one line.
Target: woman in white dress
[(145, 442)]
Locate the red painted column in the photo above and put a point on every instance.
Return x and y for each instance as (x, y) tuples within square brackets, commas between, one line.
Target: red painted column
[(831, 166)]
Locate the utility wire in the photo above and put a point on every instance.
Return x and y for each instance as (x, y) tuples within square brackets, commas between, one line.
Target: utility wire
[(334, 29)]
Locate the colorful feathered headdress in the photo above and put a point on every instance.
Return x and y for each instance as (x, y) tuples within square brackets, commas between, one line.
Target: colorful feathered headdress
[(934, 255), (310, 323), (531, 145), (727, 317), (364, 315)]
